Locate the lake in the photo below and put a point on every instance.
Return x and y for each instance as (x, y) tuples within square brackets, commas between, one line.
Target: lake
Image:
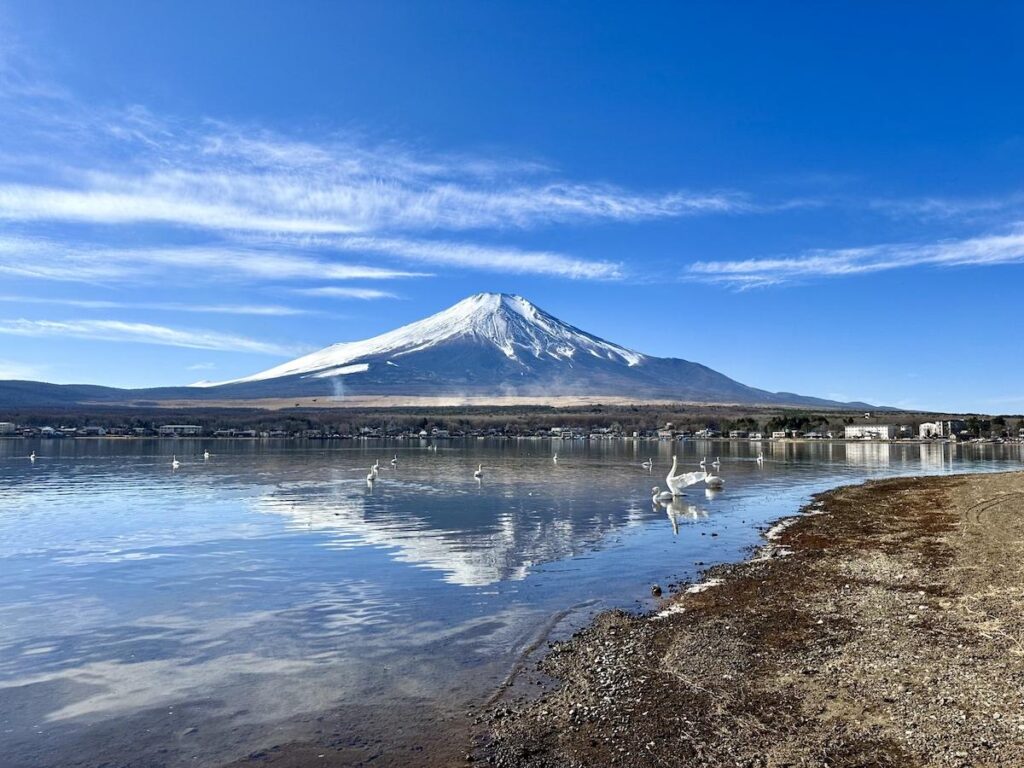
[(269, 596)]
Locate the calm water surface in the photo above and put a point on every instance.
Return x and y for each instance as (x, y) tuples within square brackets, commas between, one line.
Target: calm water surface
[(194, 616)]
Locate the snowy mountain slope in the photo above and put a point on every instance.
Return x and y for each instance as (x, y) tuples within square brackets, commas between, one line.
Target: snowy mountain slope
[(493, 344), (488, 345), (513, 325)]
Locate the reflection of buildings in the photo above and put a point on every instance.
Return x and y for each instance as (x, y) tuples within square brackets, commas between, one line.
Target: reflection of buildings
[(868, 454), (935, 457), (469, 545)]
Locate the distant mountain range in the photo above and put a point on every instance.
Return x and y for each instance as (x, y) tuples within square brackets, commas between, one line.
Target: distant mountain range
[(490, 345)]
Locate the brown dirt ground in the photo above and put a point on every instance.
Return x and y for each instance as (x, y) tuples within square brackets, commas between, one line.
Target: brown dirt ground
[(884, 629)]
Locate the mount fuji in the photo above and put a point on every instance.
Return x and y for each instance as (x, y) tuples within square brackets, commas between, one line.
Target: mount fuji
[(500, 345), (489, 345)]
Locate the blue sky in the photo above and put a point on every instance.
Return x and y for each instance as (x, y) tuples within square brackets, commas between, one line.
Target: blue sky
[(823, 199)]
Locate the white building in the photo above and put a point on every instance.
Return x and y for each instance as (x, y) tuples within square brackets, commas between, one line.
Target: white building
[(941, 428), (179, 430), (8, 428), (870, 432)]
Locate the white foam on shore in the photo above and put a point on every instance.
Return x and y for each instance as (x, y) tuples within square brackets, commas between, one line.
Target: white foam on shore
[(773, 533), (703, 586), (693, 589)]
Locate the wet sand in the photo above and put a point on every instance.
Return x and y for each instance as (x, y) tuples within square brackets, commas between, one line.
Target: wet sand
[(883, 627)]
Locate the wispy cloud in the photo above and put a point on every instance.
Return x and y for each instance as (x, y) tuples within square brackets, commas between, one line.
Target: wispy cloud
[(54, 260), (228, 185), (983, 250), (488, 258), (220, 177), (269, 310), (273, 201), (346, 292), (272, 260), (142, 333), (201, 367), (945, 208)]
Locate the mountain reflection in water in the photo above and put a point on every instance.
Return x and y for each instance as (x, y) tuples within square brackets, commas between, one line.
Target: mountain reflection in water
[(253, 594)]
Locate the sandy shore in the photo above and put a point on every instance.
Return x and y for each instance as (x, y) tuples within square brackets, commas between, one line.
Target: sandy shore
[(885, 629)]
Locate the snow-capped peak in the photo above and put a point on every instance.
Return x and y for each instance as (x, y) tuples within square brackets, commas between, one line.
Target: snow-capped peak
[(521, 330)]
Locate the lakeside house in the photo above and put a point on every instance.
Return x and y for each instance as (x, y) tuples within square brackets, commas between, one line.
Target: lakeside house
[(930, 429), (870, 432), (818, 435), (180, 430), (8, 428)]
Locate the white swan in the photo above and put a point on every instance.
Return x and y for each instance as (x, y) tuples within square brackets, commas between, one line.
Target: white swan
[(676, 483), (659, 495), (32, 456), (649, 464), (760, 458), (714, 481), (394, 461), (703, 461), (372, 475), (555, 458), (716, 463), (206, 455), (174, 462), (479, 471)]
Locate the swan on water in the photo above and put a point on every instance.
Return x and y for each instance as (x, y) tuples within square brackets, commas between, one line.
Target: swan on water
[(206, 455), (394, 461), (479, 471), (703, 461), (676, 483), (716, 463), (372, 475), (649, 464), (555, 458), (659, 495), (760, 458), (174, 462), (32, 456), (714, 481)]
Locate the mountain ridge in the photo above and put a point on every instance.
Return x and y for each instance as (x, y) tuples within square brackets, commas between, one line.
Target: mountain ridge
[(487, 345)]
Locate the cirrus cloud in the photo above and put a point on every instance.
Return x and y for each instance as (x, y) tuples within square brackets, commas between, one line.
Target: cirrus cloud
[(979, 251), (142, 333)]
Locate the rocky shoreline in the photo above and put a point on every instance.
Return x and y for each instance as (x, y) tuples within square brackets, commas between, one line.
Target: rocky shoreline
[(884, 629)]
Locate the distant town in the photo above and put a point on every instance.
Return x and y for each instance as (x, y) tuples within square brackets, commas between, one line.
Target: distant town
[(615, 424)]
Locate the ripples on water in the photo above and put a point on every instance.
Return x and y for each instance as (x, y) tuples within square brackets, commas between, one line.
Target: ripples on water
[(271, 582)]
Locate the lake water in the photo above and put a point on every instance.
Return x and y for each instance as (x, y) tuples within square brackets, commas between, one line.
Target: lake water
[(267, 595)]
